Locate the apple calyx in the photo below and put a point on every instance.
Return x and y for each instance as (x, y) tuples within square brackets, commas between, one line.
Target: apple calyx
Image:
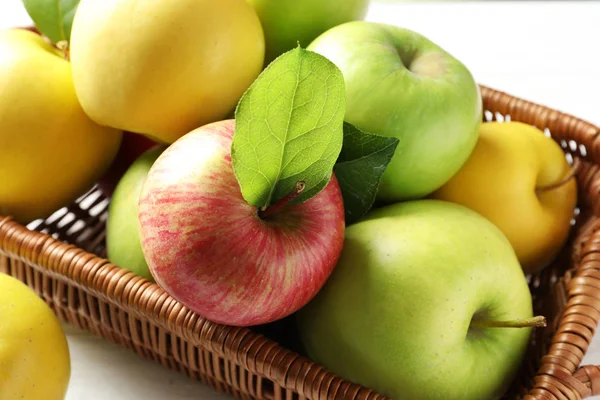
[(534, 322), (63, 46), (267, 211), (574, 170)]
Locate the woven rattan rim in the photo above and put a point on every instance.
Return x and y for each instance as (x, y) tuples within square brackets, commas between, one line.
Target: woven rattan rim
[(559, 376)]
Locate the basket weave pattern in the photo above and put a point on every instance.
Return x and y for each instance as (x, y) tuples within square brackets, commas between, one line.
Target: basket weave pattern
[(62, 259)]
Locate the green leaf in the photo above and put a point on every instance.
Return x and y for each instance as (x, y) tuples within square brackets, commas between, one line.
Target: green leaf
[(289, 128), (53, 18), (362, 161)]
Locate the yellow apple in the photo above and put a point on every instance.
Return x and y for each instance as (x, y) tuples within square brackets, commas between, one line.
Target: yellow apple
[(34, 353), (164, 67), (509, 179), (51, 152)]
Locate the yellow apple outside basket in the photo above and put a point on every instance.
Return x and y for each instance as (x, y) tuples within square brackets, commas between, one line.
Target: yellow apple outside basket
[(62, 258)]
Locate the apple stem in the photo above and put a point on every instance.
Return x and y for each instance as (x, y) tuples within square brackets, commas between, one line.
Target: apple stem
[(300, 186), (63, 46), (574, 170), (538, 321)]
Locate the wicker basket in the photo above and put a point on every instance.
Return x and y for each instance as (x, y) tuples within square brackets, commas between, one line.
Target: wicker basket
[(61, 258)]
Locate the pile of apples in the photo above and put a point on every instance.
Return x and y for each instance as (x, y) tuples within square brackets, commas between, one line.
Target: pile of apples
[(401, 251)]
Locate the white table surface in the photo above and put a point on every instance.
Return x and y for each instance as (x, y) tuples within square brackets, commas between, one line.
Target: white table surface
[(544, 51)]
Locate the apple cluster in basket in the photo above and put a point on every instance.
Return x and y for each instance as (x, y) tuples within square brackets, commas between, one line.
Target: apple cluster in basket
[(338, 172)]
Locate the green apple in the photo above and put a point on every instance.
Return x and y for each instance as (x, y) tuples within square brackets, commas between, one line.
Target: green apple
[(289, 22), (123, 245), (420, 305), (400, 84)]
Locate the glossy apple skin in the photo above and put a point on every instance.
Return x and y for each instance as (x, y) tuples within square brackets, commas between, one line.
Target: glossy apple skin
[(400, 84), (211, 251), (123, 246), (35, 358), (164, 67), (51, 152), (395, 315), (499, 181), (289, 22)]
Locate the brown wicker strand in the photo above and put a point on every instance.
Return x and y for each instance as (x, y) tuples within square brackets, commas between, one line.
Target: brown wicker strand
[(105, 280), (590, 376), (61, 258)]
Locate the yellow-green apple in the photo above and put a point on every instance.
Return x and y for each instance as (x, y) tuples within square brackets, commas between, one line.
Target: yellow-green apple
[(515, 177), (123, 245), (215, 253), (51, 151), (132, 147), (400, 84), (164, 67), (35, 361), (427, 301), (289, 22)]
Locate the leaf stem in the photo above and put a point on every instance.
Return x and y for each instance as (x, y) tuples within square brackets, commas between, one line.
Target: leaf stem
[(63, 46), (300, 186), (538, 321)]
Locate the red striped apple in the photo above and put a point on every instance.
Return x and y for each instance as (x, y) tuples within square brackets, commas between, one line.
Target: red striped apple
[(220, 256)]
